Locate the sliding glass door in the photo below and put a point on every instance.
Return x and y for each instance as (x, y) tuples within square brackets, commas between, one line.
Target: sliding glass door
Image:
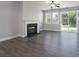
[(72, 15), (69, 21), (64, 21)]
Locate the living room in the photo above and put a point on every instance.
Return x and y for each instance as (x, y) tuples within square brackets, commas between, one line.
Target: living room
[(39, 28)]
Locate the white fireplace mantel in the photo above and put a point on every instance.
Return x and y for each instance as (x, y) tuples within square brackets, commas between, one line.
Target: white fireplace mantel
[(30, 22)]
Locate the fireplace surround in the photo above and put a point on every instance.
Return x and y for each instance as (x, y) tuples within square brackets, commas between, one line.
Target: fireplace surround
[(31, 24)]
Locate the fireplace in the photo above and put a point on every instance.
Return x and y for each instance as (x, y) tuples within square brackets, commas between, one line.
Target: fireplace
[(31, 29)]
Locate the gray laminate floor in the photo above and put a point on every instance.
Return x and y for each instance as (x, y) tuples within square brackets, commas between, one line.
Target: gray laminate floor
[(45, 44)]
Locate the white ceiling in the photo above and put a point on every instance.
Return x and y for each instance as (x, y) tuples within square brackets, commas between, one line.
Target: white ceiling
[(69, 3), (63, 4)]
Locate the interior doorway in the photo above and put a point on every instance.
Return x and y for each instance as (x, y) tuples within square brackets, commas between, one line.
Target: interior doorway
[(69, 21)]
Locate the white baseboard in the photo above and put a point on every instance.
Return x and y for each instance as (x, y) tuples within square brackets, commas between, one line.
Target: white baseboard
[(8, 38), (41, 30), (50, 30), (22, 35)]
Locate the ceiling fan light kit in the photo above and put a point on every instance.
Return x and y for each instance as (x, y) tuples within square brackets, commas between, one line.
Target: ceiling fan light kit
[(54, 4)]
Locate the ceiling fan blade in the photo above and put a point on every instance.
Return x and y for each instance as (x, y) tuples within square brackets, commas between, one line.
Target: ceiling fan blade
[(57, 5)]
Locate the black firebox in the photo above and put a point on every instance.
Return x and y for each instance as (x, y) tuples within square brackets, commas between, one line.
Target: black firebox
[(31, 29)]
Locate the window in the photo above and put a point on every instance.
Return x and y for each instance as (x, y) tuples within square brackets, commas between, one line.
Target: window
[(55, 18), (48, 18), (52, 18)]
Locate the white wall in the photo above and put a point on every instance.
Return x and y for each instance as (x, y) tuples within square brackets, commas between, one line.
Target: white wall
[(78, 21), (8, 19), (20, 18), (13, 14), (32, 11)]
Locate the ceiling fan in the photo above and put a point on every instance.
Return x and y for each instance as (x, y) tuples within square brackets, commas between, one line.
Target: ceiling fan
[(54, 3)]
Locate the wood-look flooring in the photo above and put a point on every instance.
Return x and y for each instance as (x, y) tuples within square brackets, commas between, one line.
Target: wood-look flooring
[(45, 44)]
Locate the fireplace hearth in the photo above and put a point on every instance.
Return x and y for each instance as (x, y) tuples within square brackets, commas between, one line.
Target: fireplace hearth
[(31, 29)]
